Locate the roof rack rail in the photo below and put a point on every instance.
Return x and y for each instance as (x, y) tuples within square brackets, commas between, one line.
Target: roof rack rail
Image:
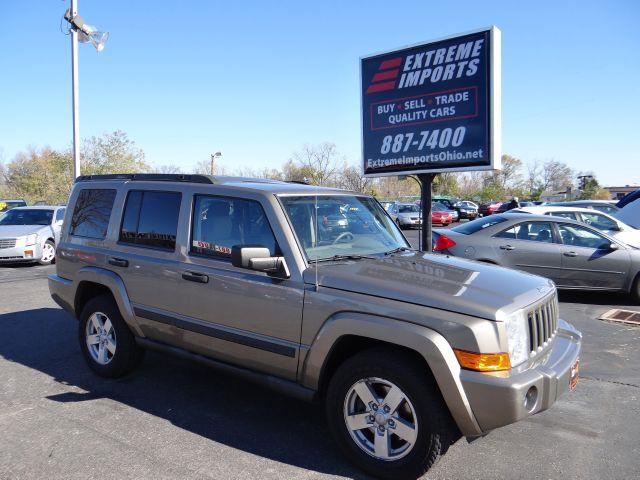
[(156, 177), (298, 182)]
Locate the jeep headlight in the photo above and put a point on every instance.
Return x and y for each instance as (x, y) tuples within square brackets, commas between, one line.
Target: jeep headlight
[(517, 337), (31, 239)]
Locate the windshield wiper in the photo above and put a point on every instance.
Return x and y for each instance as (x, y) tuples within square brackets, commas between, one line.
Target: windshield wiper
[(397, 250), (345, 257)]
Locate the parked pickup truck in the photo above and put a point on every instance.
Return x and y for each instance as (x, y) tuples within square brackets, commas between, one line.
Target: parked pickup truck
[(406, 350)]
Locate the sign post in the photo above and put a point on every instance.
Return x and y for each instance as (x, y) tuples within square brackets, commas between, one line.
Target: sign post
[(430, 108)]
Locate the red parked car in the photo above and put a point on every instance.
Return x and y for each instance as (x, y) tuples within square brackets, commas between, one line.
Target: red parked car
[(440, 215), (488, 208)]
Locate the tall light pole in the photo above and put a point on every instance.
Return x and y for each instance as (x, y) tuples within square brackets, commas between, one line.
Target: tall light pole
[(86, 34), (213, 161)]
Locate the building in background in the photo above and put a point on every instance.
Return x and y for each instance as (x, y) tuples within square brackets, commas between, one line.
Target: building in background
[(570, 193), (618, 192)]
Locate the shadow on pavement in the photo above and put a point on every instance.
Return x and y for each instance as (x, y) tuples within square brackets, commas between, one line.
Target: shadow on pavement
[(597, 298), (218, 407)]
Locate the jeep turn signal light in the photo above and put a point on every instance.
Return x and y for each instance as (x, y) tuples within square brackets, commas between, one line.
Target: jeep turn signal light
[(483, 362)]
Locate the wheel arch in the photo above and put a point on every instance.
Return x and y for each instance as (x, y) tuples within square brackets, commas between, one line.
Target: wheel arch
[(346, 334), (94, 281)]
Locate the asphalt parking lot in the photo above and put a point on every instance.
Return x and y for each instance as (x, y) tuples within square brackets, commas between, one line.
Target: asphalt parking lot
[(174, 419)]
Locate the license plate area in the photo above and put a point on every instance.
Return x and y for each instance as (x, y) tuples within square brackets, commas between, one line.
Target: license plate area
[(575, 375)]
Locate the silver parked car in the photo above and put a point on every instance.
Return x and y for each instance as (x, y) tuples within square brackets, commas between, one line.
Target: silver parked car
[(409, 215), (30, 234), (600, 220), (572, 254), (405, 350)]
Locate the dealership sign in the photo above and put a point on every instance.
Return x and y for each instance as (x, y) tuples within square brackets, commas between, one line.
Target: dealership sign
[(433, 107)]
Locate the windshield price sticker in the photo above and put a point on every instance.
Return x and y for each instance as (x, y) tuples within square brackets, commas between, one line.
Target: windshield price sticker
[(432, 107)]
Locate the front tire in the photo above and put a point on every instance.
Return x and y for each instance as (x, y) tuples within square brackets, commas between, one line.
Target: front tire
[(48, 253), (635, 290), (387, 415), (108, 346)]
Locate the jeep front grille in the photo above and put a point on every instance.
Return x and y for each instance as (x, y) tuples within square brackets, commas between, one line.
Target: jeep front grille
[(7, 242), (543, 323)]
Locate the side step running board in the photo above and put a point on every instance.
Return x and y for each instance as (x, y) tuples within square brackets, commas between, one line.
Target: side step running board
[(286, 387)]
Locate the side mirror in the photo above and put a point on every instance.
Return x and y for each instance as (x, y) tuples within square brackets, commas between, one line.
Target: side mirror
[(614, 246), (259, 259)]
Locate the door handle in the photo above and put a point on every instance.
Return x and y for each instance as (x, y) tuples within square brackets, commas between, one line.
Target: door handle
[(570, 254), (507, 247), (195, 277), (118, 262)]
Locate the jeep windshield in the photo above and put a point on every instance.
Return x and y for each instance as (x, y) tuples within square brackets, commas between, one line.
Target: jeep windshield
[(345, 225)]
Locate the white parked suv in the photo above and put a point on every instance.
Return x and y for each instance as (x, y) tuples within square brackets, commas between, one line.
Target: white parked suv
[(600, 220)]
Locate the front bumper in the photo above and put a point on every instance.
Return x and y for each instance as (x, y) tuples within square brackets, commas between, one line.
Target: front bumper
[(410, 223), (22, 253), (500, 398)]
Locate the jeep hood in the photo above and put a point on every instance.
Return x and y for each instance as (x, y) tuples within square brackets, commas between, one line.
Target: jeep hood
[(438, 281)]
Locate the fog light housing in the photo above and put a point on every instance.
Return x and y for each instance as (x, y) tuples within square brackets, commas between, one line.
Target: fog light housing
[(531, 398), (28, 253)]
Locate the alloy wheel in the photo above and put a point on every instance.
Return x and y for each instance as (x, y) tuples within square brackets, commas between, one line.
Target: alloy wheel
[(100, 338), (380, 418)]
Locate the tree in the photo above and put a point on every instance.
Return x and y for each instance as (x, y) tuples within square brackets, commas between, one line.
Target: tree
[(510, 177), (446, 184), (591, 189), (318, 162), (112, 153), (47, 175), (533, 181), (352, 178), (40, 175), (167, 169), (556, 176)]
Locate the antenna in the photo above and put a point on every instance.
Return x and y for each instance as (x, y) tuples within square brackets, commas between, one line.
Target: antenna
[(316, 234)]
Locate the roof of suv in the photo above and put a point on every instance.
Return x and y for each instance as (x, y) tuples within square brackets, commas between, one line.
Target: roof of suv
[(262, 184)]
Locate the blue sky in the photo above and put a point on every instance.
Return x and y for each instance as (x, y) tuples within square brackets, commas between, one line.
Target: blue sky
[(257, 80)]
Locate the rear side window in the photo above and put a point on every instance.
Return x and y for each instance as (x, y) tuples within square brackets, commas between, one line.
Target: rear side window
[(479, 224), (92, 212), (150, 219), (534, 232), (219, 223), (570, 215)]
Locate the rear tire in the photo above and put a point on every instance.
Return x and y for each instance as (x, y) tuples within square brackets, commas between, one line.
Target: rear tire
[(108, 345), (399, 442)]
